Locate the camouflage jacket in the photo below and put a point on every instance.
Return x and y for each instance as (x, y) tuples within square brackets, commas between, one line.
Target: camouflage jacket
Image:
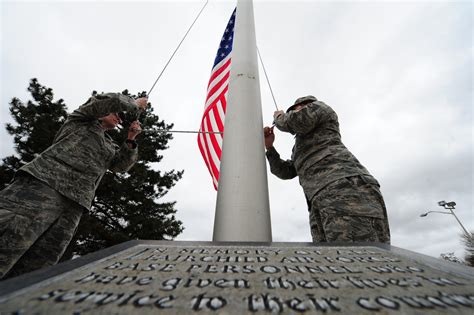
[(82, 152), (319, 157)]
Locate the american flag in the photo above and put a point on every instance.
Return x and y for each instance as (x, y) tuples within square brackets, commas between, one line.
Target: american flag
[(212, 125)]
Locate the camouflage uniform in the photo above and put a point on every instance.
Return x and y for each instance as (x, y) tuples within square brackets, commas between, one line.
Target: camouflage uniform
[(344, 200), (40, 210)]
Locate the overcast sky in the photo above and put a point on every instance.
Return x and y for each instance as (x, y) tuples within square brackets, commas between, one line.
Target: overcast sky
[(399, 75)]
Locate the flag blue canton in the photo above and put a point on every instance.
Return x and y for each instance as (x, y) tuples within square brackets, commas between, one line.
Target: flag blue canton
[(225, 46)]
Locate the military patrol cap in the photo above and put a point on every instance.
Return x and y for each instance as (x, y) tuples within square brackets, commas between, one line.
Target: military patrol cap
[(302, 100)]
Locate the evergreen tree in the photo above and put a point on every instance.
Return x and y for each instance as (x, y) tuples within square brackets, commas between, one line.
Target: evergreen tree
[(468, 240), (36, 124), (126, 204)]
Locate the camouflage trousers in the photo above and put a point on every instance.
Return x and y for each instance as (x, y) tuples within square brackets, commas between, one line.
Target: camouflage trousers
[(349, 210), (36, 225)]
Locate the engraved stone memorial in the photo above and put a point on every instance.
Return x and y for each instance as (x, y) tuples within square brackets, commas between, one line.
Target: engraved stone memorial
[(243, 278)]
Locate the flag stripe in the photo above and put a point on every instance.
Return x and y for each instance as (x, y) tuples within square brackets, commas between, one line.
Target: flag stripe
[(216, 136), (220, 70), (204, 153), (217, 93), (214, 159), (213, 156), (222, 83), (217, 122), (224, 99), (210, 162), (215, 146)]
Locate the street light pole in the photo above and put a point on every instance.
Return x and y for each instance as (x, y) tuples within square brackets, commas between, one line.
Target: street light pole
[(449, 206)]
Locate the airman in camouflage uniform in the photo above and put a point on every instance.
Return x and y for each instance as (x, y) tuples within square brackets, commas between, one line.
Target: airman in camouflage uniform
[(41, 208), (344, 200)]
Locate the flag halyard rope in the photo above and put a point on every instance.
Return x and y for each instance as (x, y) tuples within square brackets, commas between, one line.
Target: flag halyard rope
[(181, 131), (119, 127), (172, 55), (266, 76)]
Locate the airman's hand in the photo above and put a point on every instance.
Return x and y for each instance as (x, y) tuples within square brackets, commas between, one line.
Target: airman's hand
[(269, 137), (134, 130), (141, 102)]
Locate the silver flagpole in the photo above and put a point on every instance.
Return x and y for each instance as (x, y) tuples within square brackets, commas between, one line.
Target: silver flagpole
[(242, 208)]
